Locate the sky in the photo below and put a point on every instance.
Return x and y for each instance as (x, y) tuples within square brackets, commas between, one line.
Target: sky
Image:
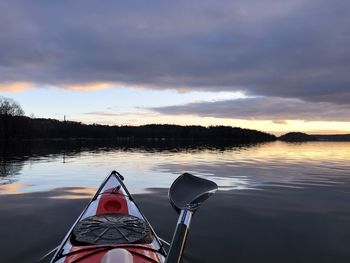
[(270, 65)]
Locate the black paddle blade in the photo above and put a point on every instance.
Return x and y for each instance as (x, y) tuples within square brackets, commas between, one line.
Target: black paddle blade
[(188, 192)]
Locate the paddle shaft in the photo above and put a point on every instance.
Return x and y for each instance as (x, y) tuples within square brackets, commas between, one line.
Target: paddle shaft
[(180, 236)]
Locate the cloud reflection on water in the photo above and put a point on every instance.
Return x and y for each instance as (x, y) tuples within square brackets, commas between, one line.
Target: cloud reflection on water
[(236, 168), (296, 165)]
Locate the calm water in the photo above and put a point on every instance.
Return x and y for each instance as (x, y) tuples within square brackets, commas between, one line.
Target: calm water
[(278, 202)]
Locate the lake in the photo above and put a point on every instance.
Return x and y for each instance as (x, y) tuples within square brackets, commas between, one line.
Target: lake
[(277, 202)]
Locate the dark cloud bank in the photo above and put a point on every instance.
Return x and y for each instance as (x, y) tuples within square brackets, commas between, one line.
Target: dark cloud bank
[(287, 49), (263, 108)]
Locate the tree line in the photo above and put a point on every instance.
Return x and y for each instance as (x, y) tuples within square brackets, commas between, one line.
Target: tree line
[(21, 127), (14, 126)]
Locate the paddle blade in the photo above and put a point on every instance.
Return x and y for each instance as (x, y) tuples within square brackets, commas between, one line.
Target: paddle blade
[(188, 192)]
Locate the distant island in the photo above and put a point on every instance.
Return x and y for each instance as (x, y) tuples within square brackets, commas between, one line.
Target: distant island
[(303, 137), (297, 137), (24, 128)]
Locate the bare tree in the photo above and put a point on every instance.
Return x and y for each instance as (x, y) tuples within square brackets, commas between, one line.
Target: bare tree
[(9, 107)]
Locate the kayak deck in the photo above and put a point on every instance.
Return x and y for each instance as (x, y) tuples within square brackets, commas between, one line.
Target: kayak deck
[(111, 223)]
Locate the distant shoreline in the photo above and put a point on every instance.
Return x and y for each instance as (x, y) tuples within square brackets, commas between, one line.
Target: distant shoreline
[(25, 128), (22, 128)]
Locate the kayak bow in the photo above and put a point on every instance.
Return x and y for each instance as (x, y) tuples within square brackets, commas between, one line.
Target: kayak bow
[(112, 229)]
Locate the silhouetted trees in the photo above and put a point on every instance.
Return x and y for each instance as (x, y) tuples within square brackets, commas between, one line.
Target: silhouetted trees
[(14, 126), (9, 107), (21, 127)]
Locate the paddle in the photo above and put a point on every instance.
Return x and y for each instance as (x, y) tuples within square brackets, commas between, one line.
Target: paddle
[(186, 194)]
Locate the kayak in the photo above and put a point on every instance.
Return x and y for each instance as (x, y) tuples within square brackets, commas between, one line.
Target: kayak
[(112, 229)]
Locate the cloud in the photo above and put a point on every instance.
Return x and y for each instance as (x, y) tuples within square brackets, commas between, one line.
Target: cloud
[(262, 108), (15, 86), (291, 49), (88, 86), (281, 122), (102, 113), (119, 114)]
